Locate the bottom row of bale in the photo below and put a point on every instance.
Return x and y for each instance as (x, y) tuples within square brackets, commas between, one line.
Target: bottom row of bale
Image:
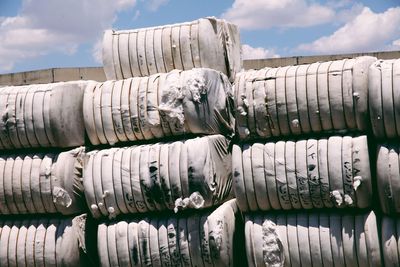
[(222, 237)]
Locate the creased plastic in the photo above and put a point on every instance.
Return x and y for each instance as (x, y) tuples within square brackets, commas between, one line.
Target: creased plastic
[(207, 42), (197, 101), (193, 174)]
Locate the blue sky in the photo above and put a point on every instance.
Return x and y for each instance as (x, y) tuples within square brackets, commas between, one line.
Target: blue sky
[(37, 34)]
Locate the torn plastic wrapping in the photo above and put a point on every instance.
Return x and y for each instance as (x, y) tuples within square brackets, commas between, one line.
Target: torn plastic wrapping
[(42, 115), (292, 239), (204, 43), (70, 197), (44, 241), (42, 183), (303, 174), (190, 174), (171, 241), (320, 97), (197, 101)]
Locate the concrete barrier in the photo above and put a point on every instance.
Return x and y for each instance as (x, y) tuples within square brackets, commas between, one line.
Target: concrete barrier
[(97, 73), (53, 75), (299, 60)]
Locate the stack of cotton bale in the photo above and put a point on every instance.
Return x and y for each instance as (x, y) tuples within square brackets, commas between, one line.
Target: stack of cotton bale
[(384, 89), (303, 164), (41, 195), (166, 112)]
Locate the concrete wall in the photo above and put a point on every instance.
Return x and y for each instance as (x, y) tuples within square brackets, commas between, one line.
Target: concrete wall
[(53, 75), (97, 73), (286, 61)]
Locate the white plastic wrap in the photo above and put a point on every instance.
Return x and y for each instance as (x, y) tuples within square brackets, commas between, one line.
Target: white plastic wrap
[(305, 174), (203, 43), (390, 242), (388, 178), (42, 115), (198, 101), (384, 95), (170, 241), (42, 242), (195, 173), (312, 239), (41, 183), (295, 100)]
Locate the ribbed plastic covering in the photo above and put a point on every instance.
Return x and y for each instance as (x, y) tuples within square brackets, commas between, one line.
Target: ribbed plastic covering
[(42, 115), (390, 230), (42, 183), (170, 241), (304, 99), (203, 43), (388, 178), (312, 239), (304, 174), (384, 98), (194, 173), (42, 242), (197, 101)]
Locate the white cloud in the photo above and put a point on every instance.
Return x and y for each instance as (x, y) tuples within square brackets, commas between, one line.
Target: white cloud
[(137, 15), (97, 51), (249, 52), (396, 44), (261, 14), (339, 3), (154, 5), (365, 32), (46, 26), (347, 14)]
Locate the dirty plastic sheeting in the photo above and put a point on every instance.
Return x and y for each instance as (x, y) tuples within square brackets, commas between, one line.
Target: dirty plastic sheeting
[(43, 242), (42, 115), (198, 101), (297, 100), (42, 183), (204, 43), (304, 174), (191, 174), (191, 240), (315, 239)]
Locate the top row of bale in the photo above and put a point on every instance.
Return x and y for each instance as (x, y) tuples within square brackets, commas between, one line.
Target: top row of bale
[(174, 80), (203, 43)]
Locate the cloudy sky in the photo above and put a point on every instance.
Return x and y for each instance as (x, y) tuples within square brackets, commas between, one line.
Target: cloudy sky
[(37, 34)]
